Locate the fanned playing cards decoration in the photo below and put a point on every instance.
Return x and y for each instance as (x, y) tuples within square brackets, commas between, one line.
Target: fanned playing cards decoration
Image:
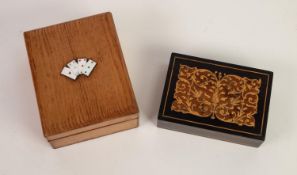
[(80, 66)]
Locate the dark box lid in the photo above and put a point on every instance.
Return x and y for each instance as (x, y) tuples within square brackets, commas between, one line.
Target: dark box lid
[(216, 99)]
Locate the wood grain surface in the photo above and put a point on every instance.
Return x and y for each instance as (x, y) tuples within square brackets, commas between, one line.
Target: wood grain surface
[(65, 104), (98, 132)]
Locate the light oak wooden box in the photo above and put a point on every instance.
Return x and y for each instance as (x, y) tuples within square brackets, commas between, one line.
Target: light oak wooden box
[(89, 107)]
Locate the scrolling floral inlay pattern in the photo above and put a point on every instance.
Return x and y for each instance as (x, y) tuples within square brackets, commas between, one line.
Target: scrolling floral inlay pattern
[(229, 98)]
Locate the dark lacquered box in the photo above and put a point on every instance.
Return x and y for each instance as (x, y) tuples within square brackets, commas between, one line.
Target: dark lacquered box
[(215, 99)]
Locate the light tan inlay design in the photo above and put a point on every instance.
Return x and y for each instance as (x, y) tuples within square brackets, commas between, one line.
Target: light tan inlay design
[(229, 98)]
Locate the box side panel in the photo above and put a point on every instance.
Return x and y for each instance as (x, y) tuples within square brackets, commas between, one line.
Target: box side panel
[(94, 133), (209, 133)]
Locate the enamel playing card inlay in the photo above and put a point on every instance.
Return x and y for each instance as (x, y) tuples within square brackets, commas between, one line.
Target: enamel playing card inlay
[(76, 67)]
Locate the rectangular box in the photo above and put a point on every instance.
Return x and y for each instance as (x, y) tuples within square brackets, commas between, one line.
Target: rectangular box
[(92, 105), (215, 99)]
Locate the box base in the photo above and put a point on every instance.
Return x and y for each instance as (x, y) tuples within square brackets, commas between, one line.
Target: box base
[(209, 133), (94, 133)]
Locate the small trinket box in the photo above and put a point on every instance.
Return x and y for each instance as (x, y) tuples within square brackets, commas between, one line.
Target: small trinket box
[(216, 100), (81, 81)]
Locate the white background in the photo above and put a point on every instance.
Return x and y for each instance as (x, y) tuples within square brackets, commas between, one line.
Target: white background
[(256, 33)]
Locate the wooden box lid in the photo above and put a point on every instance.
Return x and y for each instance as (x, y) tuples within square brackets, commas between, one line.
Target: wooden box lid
[(69, 107), (216, 99)]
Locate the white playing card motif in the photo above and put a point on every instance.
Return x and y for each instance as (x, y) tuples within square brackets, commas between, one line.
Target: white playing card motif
[(89, 66), (80, 66)]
